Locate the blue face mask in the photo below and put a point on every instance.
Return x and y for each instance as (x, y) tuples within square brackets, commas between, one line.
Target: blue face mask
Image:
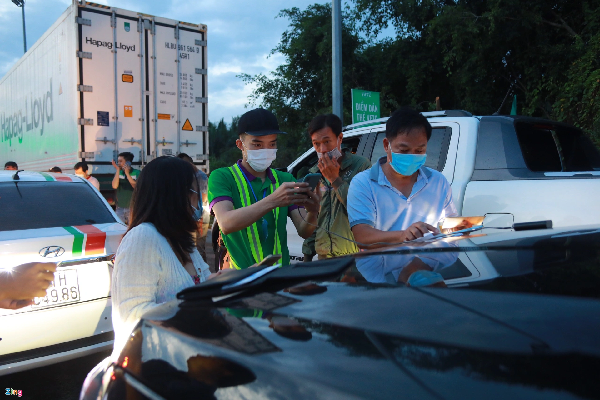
[(407, 164), (197, 215), (197, 212), (424, 278)]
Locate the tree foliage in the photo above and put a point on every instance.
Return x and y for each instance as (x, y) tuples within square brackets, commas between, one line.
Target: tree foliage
[(223, 151), (301, 87), (577, 99), (471, 54), (546, 52)]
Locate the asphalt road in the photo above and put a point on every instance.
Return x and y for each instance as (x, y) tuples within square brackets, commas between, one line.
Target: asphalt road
[(62, 381)]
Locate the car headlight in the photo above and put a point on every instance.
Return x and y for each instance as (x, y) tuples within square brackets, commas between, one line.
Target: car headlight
[(95, 383)]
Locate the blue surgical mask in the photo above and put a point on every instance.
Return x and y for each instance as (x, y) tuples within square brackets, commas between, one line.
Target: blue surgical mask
[(424, 278), (407, 164), (197, 215), (197, 212)]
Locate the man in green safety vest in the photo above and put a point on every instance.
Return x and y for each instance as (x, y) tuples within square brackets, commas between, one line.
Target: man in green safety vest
[(252, 201)]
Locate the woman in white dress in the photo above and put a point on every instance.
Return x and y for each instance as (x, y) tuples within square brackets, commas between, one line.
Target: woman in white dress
[(157, 257)]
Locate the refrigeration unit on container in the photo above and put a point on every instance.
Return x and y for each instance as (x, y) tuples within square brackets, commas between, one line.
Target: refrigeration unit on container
[(102, 81)]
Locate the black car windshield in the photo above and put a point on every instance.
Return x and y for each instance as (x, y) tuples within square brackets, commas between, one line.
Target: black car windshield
[(553, 263), (35, 205), (556, 264)]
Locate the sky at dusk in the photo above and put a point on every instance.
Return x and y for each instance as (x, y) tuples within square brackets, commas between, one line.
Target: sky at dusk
[(241, 34)]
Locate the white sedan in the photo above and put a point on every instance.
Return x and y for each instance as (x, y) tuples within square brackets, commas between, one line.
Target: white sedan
[(47, 217)]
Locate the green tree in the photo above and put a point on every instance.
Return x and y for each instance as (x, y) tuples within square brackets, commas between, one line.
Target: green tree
[(471, 54), (223, 150), (300, 89), (543, 51), (577, 100), (406, 71)]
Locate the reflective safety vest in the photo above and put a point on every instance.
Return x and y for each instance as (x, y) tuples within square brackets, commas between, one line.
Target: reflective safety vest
[(252, 230)]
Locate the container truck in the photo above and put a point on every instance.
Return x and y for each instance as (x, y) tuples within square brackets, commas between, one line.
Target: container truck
[(102, 81)]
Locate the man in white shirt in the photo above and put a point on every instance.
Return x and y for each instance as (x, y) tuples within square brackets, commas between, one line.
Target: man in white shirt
[(399, 199), (81, 170)]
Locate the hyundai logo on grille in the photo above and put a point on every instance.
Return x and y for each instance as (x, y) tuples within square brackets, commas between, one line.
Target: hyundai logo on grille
[(52, 251)]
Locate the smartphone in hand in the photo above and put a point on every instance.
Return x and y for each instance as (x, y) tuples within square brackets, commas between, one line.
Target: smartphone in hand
[(312, 180), (268, 260)]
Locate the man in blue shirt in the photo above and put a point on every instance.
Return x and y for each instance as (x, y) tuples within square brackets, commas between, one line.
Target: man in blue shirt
[(398, 199)]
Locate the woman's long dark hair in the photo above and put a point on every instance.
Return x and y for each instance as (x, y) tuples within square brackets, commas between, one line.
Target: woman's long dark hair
[(161, 197)]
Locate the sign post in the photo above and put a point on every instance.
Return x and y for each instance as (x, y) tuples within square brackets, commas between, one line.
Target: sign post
[(365, 105)]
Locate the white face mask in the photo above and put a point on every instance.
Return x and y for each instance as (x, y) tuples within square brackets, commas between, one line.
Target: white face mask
[(333, 154), (261, 159), (82, 175)]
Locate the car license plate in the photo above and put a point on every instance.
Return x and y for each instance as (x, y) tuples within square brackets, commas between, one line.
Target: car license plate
[(63, 290)]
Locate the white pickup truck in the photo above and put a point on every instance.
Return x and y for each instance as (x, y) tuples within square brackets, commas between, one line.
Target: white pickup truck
[(526, 169)]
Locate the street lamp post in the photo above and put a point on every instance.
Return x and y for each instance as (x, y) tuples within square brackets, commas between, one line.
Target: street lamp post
[(336, 27), (21, 3)]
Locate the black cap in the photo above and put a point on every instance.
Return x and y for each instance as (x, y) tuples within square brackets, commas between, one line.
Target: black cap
[(259, 122)]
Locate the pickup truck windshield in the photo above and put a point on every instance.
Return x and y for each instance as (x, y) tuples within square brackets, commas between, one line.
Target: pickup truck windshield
[(34, 205), (549, 148)]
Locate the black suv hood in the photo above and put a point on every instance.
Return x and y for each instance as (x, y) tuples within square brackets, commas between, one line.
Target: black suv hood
[(518, 319)]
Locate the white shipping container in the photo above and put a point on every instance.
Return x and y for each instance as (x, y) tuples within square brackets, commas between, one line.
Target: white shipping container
[(104, 80)]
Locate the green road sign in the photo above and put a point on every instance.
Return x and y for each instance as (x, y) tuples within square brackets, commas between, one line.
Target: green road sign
[(365, 105)]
